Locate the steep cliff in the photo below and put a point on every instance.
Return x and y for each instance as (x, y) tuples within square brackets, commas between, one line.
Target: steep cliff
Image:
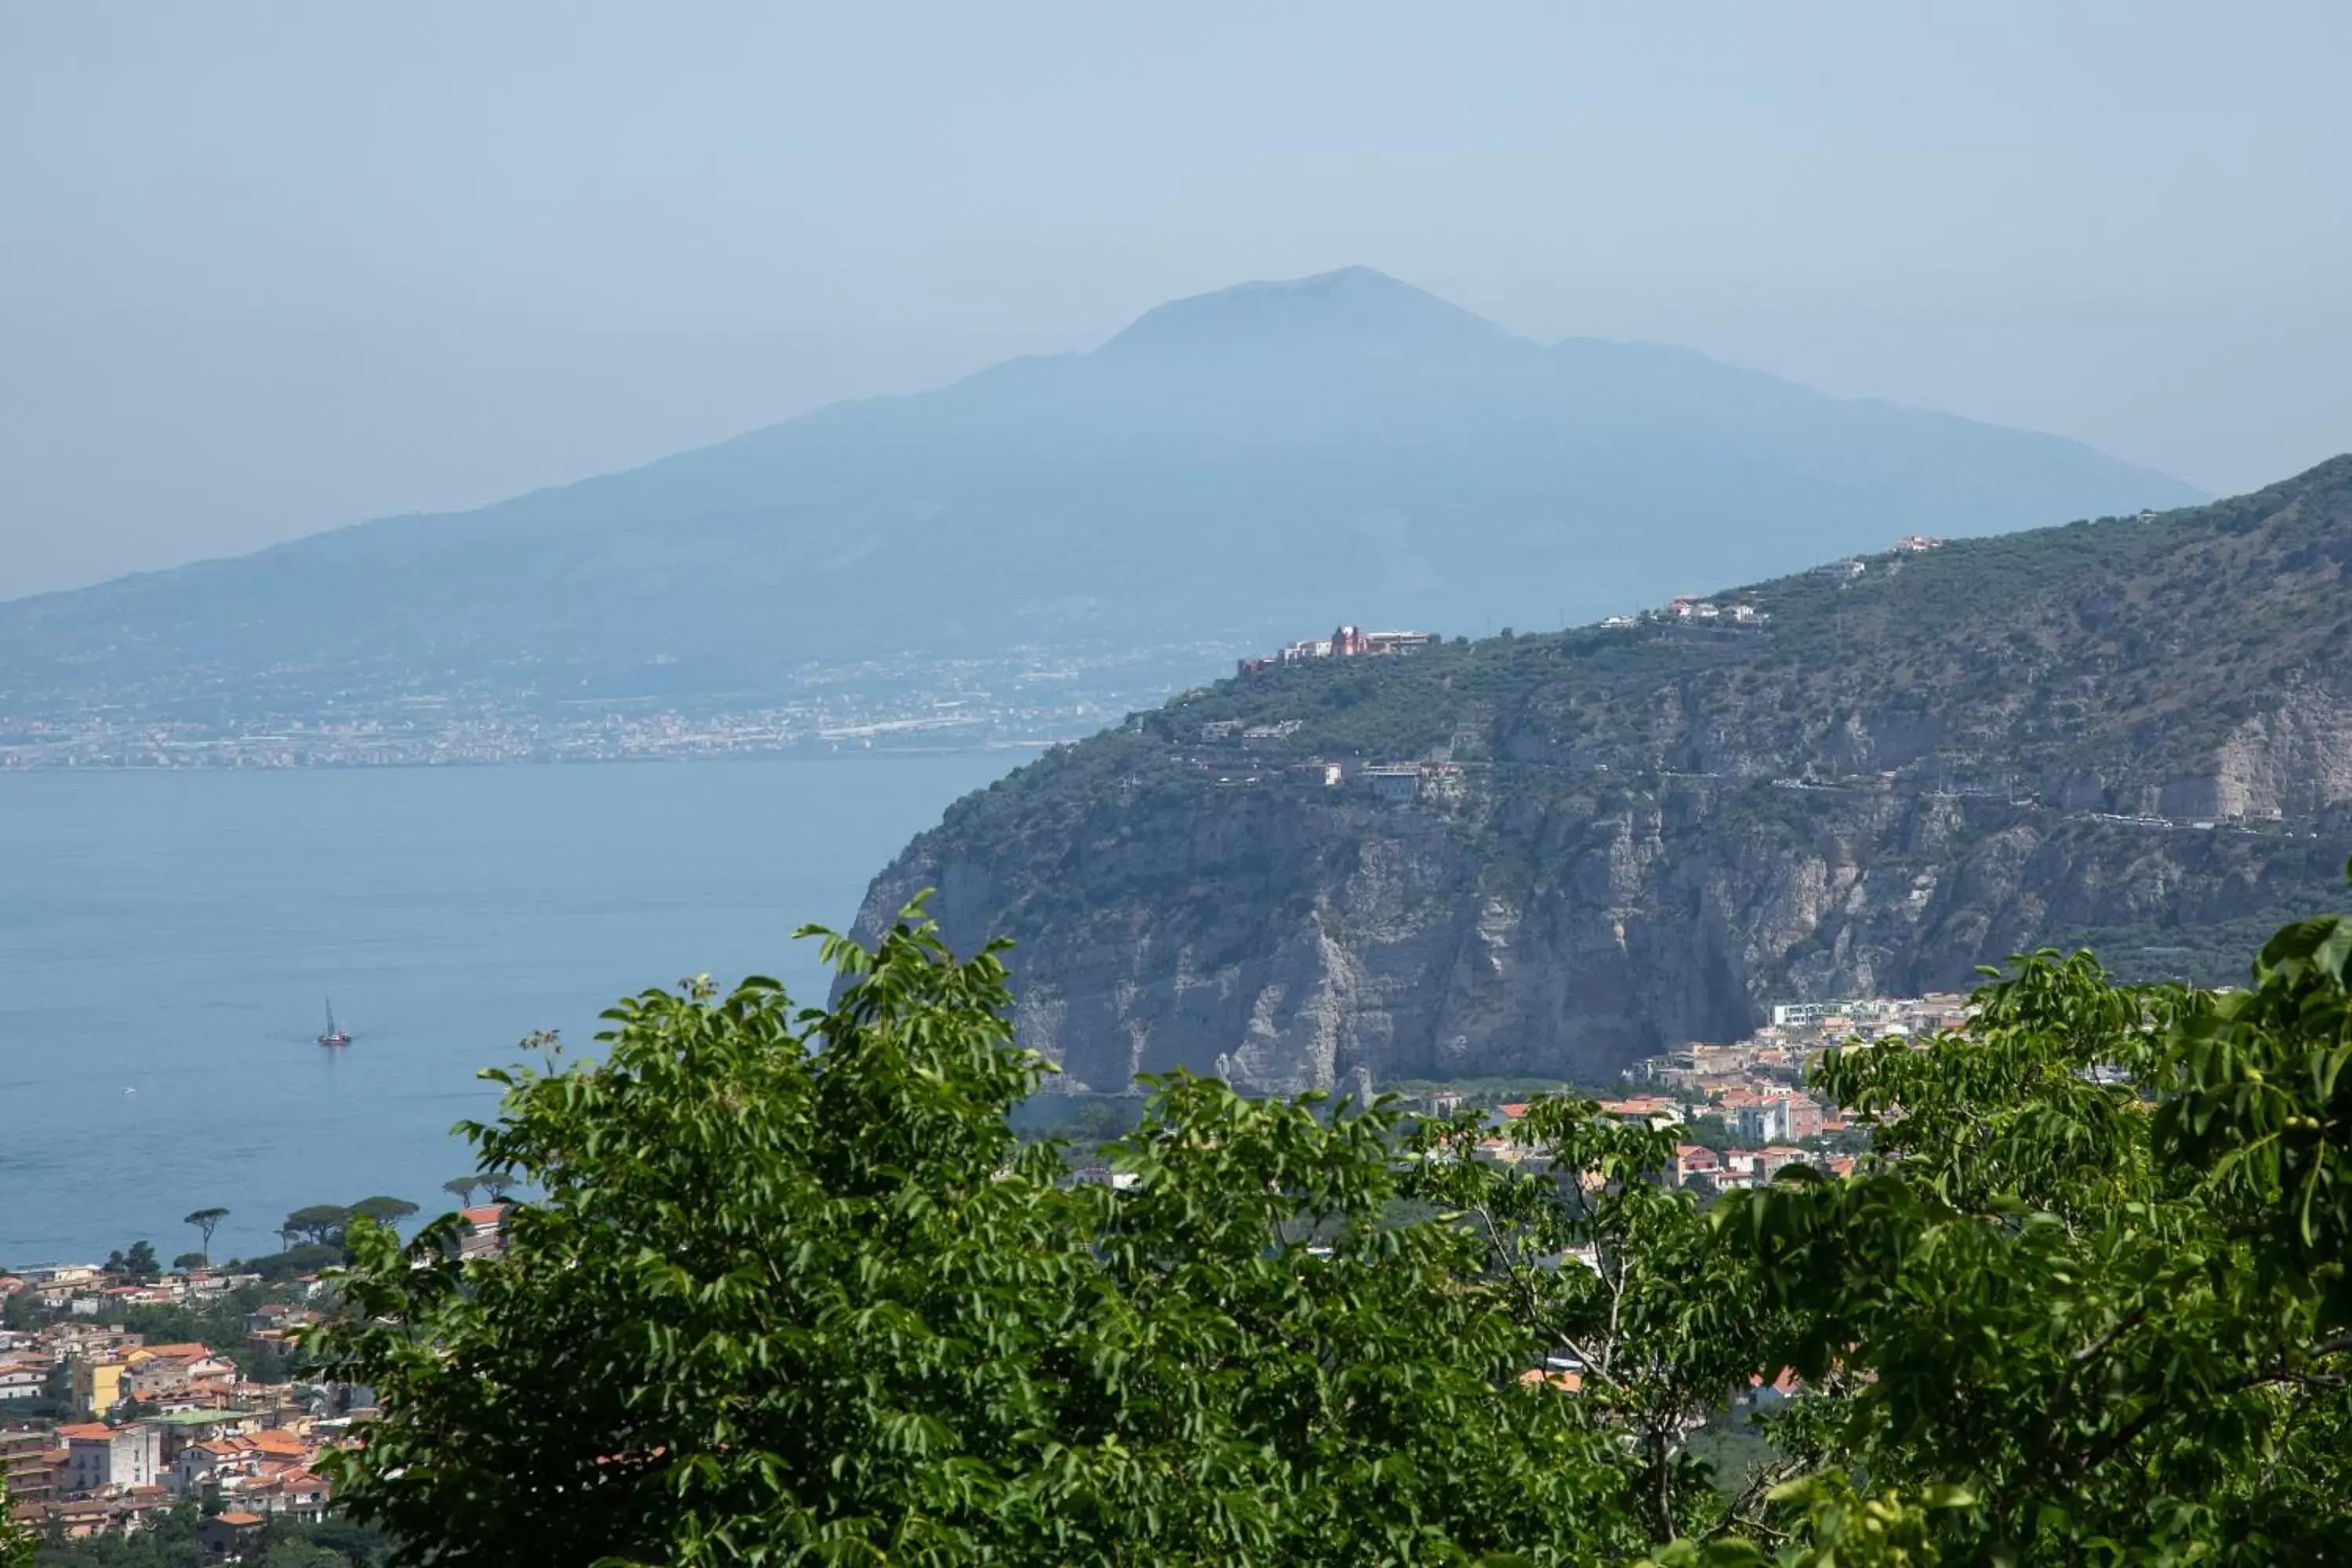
[(2134, 734)]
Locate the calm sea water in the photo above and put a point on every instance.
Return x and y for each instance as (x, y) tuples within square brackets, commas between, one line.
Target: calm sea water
[(168, 940)]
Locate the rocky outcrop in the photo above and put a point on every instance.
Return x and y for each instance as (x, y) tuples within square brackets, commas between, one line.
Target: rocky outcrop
[(2135, 734), (1287, 942), (2294, 761)]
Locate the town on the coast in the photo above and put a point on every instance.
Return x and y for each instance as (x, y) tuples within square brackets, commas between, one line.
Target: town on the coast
[(1021, 698), (108, 1422)]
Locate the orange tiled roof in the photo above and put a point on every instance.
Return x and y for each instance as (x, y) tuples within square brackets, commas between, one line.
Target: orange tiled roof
[(1566, 1382)]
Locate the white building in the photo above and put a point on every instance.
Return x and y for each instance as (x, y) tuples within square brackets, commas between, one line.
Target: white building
[(22, 1379), (99, 1456)]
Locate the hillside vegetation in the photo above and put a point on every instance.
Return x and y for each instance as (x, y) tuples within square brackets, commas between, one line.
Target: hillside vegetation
[(2125, 650), (787, 1288)]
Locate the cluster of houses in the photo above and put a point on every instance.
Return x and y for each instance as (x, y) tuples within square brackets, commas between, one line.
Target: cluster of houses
[(1346, 642), (1781, 1051), (1691, 610), (149, 1426), (1696, 609), (1767, 1125), (93, 1477), (1753, 1087), (1691, 607), (202, 1430)]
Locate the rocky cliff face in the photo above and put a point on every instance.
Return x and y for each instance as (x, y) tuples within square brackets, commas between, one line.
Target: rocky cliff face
[(1646, 839), (1287, 942), (2294, 761)]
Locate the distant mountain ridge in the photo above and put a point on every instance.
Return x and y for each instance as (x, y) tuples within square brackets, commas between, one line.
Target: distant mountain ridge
[(2134, 733), (1352, 308), (1254, 462)]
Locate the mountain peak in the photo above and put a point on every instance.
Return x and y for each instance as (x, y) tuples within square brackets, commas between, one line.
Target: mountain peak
[(1352, 305)]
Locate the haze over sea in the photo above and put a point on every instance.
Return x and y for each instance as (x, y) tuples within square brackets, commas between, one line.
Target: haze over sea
[(175, 934)]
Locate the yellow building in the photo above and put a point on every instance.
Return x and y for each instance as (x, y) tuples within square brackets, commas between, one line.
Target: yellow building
[(97, 1384)]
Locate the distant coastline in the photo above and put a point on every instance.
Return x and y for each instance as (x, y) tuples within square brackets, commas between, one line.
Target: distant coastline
[(812, 753)]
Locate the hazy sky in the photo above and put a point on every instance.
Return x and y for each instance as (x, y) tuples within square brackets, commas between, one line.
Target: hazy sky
[(267, 269)]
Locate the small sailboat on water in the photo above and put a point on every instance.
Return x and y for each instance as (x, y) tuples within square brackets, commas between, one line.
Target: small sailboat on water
[(332, 1036)]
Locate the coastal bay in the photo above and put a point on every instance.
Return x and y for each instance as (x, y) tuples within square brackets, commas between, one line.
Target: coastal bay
[(168, 941)]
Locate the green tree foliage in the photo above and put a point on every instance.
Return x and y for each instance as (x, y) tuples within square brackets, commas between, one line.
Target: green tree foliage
[(319, 1225), (169, 1540), (136, 1262), (791, 1289), (1832, 1525), (2093, 1274), (300, 1554), (17, 1541), (785, 1303), (385, 1211), (1613, 1276), (206, 1221), (295, 1261)]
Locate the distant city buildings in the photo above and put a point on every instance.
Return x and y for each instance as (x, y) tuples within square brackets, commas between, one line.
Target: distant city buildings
[(1022, 698), (1741, 1112)]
